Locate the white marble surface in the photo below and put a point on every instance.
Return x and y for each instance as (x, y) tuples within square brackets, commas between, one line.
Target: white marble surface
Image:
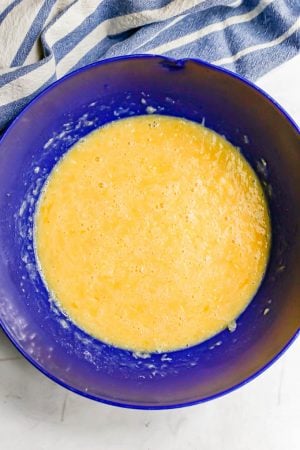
[(36, 414)]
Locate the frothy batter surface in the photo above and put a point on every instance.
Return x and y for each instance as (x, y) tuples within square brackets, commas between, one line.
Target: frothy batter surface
[(152, 233)]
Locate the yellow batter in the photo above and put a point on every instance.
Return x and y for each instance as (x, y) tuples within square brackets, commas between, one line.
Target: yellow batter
[(152, 233)]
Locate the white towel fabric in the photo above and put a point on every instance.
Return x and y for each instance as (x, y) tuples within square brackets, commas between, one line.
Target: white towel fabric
[(42, 40)]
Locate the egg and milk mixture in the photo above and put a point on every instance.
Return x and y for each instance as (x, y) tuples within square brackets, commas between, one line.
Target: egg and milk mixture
[(152, 233)]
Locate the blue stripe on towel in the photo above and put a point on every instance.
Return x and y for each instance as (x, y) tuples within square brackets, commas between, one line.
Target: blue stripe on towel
[(249, 37)]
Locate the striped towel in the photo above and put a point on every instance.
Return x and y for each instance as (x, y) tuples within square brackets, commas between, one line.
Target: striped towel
[(42, 40)]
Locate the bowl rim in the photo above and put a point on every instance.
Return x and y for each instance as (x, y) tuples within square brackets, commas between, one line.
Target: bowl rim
[(127, 404)]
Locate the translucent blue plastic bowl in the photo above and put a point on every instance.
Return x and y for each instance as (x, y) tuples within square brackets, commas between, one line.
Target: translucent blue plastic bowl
[(55, 120)]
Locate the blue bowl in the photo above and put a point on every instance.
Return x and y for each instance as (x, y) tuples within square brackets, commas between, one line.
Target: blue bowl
[(45, 130)]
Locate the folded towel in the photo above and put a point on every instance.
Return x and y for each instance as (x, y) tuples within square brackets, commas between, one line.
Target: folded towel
[(41, 41)]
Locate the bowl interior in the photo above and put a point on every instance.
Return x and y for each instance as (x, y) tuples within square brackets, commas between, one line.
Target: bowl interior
[(31, 147)]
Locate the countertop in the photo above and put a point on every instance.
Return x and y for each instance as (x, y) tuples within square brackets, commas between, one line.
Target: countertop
[(37, 414)]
